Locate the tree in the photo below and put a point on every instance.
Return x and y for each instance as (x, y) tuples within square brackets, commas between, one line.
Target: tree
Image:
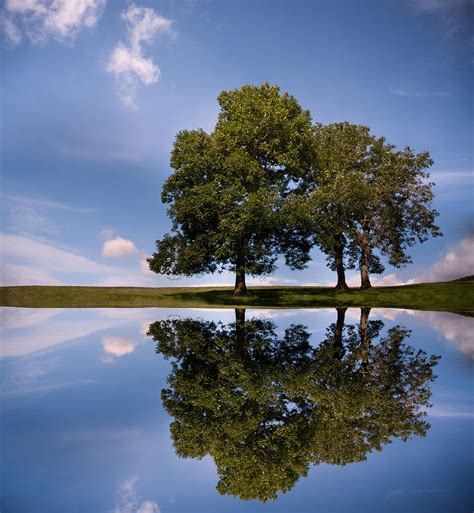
[(266, 408), (396, 211), (360, 195), (226, 194)]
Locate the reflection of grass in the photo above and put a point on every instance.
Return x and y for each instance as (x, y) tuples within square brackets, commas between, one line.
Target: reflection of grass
[(448, 296)]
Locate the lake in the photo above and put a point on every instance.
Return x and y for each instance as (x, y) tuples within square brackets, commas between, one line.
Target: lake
[(215, 410)]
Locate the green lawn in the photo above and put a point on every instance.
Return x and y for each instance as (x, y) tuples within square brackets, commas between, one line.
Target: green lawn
[(455, 296)]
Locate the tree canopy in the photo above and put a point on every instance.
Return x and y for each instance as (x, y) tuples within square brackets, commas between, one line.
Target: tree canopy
[(362, 195), (267, 407), (266, 182), (225, 195)]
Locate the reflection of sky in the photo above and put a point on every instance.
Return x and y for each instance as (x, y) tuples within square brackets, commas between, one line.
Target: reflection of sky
[(83, 428)]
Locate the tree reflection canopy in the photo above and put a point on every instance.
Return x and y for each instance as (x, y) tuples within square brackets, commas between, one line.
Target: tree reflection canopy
[(266, 407)]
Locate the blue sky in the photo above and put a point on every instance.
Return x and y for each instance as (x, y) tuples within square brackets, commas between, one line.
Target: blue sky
[(93, 94)]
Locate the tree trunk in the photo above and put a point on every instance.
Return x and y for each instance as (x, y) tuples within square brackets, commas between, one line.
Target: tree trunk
[(240, 286), (364, 262), (341, 274)]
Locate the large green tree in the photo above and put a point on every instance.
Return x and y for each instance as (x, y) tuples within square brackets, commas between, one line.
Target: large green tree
[(267, 407), (226, 194)]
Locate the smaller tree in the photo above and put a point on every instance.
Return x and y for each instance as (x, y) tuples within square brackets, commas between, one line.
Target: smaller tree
[(396, 208), (360, 196)]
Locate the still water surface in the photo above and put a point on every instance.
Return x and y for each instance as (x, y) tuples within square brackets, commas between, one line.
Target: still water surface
[(160, 410)]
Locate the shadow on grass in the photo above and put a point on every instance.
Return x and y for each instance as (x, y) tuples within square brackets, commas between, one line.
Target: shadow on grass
[(282, 297)]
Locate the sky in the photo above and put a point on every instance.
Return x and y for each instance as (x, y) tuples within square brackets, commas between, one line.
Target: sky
[(94, 92)]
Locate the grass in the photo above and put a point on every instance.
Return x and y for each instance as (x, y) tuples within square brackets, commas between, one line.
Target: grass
[(456, 296)]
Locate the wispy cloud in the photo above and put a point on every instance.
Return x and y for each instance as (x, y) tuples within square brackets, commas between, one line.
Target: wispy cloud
[(453, 177), (44, 203), (455, 15), (127, 62), (42, 19), (98, 149), (27, 261), (128, 501), (419, 93), (48, 257), (437, 5), (26, 215)]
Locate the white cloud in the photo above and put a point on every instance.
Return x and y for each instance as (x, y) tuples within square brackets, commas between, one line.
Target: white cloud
[(455, 264), (118, 248), (129, 502), (128, 63), (41, 19)]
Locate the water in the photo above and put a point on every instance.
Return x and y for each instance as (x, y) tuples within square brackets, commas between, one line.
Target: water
[(305, 401)]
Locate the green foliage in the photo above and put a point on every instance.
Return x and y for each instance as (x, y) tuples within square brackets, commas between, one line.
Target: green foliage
[(226, 194), (266, 408), (361, 194)]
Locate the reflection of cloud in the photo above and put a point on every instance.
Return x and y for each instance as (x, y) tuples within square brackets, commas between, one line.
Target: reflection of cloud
[(128, 63), (11, 318), (40, 19), (129, 502), (458, 330), (118, 346), (43, 331)]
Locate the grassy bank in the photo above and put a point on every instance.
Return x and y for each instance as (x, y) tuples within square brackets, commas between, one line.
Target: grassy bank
[(447, 296)]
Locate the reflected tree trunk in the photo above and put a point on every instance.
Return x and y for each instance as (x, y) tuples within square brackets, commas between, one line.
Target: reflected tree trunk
[(364, 338), (338, 343), (240, 325)]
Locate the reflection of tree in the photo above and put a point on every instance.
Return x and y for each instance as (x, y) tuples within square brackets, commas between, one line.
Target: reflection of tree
[(266, 407)]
